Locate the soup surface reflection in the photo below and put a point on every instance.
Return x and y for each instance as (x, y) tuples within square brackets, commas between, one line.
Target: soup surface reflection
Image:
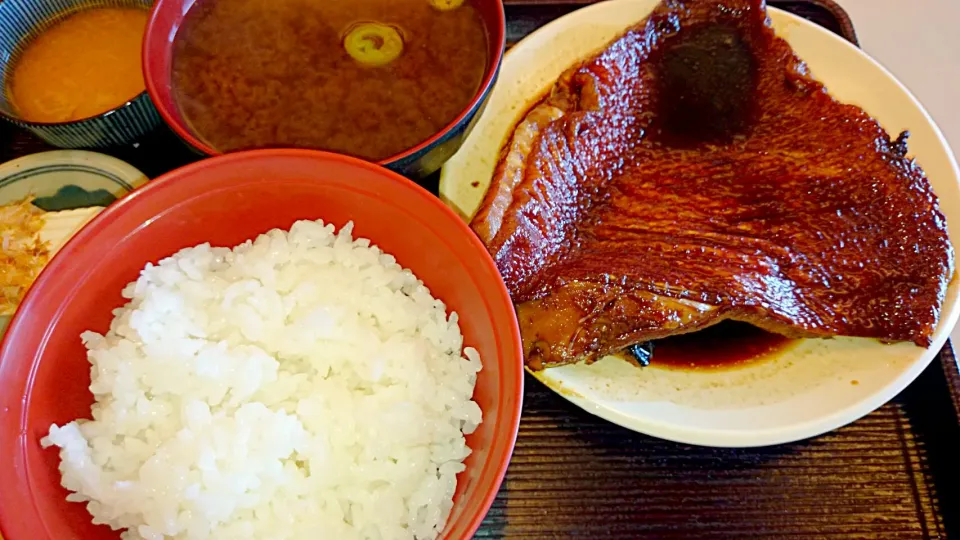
[(370, 78)]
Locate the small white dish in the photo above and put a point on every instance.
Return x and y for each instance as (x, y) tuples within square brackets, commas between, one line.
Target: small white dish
[(45, 175), (67, 184), (803, 391)]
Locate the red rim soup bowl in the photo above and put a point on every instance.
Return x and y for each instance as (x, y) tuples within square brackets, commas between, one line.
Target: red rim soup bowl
[(416, 162)]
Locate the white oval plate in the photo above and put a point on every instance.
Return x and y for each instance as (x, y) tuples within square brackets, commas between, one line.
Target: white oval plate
[(808, 389)]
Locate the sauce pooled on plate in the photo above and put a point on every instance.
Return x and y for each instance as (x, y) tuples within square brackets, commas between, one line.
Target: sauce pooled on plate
[(726, 345)]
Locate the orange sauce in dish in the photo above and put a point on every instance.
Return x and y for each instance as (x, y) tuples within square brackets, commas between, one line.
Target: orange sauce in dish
[(82, 66)]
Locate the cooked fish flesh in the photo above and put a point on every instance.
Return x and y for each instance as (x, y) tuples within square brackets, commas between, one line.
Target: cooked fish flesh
[(693, 172)]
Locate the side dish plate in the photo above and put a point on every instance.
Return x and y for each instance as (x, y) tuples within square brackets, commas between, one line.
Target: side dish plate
[(807, 389), (68, 179), (63, 182)]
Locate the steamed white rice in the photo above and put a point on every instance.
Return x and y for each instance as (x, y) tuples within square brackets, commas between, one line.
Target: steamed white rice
[(303, 385)]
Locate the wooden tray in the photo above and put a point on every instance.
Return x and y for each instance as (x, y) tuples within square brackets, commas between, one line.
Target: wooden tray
[(887, 476)]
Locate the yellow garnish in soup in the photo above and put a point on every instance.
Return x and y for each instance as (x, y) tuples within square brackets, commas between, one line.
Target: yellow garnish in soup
[(373, 44), (80, 67), (446, 5)]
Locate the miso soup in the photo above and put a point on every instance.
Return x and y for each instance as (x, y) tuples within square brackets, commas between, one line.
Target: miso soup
[(370, 78)]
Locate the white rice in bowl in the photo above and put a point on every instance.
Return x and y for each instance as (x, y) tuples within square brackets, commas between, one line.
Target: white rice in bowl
[(303, 385)]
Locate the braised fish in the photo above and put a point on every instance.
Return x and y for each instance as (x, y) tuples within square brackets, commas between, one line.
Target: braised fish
[(693, 172)]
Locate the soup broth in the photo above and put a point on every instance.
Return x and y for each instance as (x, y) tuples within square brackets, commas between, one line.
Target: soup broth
[(370, 78), (83, 66)]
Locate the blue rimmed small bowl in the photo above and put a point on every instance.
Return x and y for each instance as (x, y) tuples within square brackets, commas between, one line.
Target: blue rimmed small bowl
[(20, 22)]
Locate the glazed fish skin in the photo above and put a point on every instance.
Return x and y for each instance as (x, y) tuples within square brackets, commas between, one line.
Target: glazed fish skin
[(693, 172)]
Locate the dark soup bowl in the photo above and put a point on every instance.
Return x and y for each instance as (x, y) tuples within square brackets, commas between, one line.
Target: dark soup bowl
[(171, 21)]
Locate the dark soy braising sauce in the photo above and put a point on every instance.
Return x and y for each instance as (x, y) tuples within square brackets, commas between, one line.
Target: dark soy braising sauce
[(722, 346)]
